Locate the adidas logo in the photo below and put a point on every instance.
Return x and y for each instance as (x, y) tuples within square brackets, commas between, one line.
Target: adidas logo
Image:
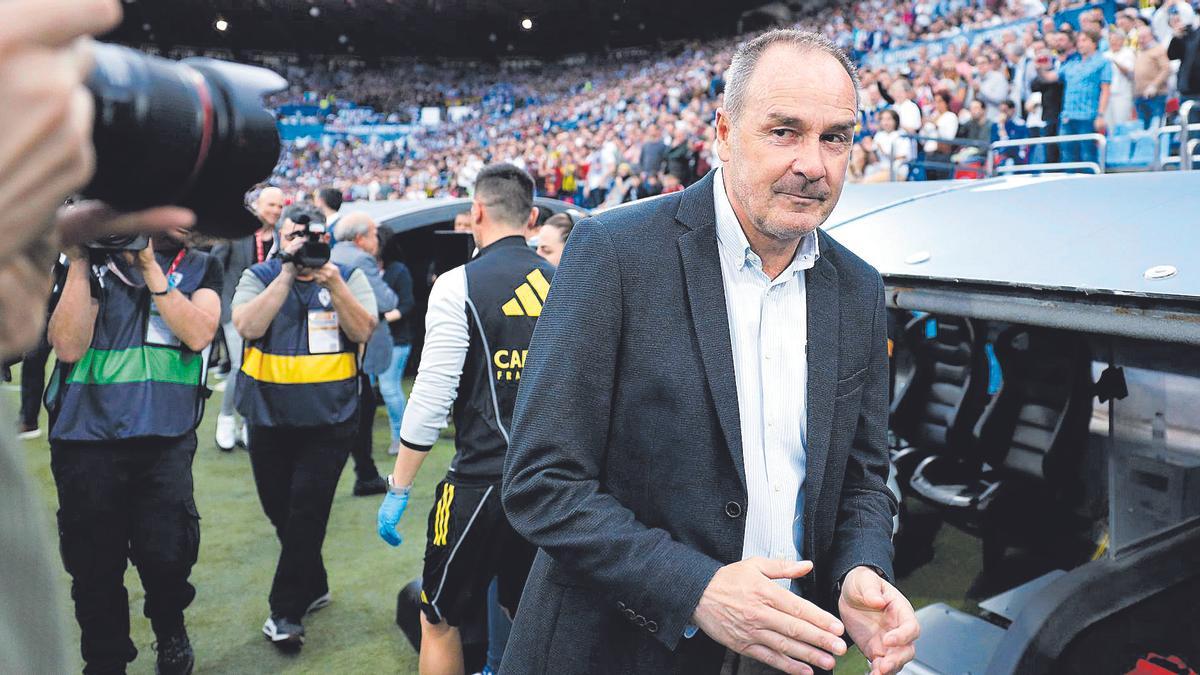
[(529, 296)]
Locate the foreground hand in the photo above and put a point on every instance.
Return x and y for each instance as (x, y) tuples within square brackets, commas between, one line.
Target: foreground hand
[(24, 286), (46, 149), (390, 510), (91, 220), (745, 611), (879, 619)]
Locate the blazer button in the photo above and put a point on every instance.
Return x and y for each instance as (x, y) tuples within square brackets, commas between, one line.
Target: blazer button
[(652, 626), (733, 509), (620, 605), (630, 614), (640, 621)]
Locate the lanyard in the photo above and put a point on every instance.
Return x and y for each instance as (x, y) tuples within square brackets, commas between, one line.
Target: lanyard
[(260, 254), (175, 263)]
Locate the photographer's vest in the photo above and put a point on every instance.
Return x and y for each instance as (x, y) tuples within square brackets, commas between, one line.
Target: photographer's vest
[(506, 286), (136, 379), (303, 372)]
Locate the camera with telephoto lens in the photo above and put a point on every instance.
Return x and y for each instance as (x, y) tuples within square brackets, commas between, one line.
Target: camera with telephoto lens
[(314, 253), (119, 242), (192, 133)]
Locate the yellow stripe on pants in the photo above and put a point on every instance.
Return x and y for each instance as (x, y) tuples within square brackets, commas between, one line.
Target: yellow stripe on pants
[(441, 523)]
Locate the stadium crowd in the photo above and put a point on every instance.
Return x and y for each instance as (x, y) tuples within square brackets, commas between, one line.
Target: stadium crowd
[(602, 132)]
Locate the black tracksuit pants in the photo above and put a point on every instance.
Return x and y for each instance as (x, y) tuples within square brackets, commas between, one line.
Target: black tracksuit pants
[(119, 501), (296, 470)]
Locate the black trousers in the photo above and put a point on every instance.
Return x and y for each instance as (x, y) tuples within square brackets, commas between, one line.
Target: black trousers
[(1053, 151), (119, 501), (33, 382), (360, 448), (296, 471)]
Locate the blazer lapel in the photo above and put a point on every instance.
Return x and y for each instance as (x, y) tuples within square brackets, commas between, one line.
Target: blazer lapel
[(706, 301), (821, 285)]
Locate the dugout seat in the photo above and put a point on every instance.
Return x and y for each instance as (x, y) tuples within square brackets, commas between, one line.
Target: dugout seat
[(1021, 474), (935, 410)]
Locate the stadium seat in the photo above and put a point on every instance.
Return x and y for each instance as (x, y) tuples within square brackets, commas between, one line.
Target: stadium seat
[(1028, 443), (1126, 148), (1142, 152), (935, 410)]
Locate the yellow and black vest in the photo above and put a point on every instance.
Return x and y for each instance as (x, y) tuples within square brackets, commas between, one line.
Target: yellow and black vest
[(135, 380), (282, 382)]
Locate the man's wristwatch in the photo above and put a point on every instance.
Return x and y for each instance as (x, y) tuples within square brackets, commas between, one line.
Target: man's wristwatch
[(398, 491)]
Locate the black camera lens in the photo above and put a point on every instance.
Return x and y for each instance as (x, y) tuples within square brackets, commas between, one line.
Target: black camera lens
[(192, 133), (120, 242)]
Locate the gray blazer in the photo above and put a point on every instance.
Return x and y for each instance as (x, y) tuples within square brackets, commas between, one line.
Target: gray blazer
[(625, 463), (237, 256), (379, 348)]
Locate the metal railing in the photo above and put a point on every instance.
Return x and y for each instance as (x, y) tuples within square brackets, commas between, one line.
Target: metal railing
[(1178, 159), (1184, 159), (921, 159), (1095, 167), (1185, 124)]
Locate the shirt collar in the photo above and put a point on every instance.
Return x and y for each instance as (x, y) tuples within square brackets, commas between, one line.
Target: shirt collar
[(732, 242), (511, 240)]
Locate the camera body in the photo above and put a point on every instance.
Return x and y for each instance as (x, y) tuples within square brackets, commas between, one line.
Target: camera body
[(315, 251)]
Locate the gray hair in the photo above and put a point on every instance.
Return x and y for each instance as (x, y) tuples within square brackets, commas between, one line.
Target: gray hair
[(745, 59), (352, 226), (296, 211)]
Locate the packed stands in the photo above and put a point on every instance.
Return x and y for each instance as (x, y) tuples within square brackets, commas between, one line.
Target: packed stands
[(599, 130)]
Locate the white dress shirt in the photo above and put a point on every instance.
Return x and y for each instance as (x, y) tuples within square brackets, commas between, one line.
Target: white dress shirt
[(768, 329)]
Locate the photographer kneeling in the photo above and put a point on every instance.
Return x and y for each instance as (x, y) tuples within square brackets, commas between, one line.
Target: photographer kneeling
[(303, 319), (124, 403)]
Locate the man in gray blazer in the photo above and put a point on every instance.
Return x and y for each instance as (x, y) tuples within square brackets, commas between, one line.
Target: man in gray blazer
[(237, 256), (357, 243), (699, 441)]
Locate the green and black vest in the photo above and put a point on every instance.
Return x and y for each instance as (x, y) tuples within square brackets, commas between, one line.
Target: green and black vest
[(137, 379), (303, 372)]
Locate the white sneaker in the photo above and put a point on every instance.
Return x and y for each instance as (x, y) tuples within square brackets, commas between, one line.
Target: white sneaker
[(29, 433), (243, 437), (226, 432)]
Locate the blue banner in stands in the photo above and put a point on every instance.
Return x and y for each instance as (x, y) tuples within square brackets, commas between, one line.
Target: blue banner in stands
[(927, 49)]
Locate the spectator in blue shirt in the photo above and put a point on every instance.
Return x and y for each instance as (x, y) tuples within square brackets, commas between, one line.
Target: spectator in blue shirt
[(1086, 76)]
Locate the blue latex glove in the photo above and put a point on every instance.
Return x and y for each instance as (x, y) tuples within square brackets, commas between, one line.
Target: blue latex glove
[(389, 517)]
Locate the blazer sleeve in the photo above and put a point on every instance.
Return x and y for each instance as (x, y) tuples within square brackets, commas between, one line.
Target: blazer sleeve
[(385, 297), (862, 535), (553, 489)]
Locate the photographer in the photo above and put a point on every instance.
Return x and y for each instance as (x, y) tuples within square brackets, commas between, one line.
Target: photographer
[(303, 319), (124, 402)]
